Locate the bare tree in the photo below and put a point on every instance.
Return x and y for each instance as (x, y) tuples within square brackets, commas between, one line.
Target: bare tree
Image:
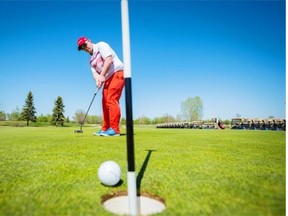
[(192, 109), (79, 116)]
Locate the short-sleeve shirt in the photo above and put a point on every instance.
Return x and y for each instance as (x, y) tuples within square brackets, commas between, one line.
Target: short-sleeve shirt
[(101, 51)]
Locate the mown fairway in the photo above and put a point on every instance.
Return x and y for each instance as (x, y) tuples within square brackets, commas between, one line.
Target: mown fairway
[(52, 171)]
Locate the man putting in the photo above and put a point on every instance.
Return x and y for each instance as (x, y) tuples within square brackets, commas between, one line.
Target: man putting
[(107, 71)]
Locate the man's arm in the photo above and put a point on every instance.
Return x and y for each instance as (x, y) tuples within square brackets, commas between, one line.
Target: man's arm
[(100, 78)]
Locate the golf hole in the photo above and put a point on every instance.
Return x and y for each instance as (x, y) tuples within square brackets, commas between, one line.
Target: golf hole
[(148, 204)]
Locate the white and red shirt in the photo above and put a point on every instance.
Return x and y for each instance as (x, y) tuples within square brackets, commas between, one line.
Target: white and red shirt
[(101, 51)]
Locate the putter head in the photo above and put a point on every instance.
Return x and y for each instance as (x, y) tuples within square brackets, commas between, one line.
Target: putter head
[(78, 131)]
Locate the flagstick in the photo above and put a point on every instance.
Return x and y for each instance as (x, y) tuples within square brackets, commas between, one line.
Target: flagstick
[(131, 177)]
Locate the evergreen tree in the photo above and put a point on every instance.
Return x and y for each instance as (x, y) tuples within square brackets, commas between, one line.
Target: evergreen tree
[(58, 117), (29, 111)]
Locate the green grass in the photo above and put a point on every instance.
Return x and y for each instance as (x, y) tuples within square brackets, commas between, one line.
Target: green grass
[(52, 171)]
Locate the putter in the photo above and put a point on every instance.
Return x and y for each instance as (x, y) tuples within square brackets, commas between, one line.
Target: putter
[(82, 122)]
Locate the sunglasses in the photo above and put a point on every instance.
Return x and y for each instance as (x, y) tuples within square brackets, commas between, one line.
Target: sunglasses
[(83, 46)]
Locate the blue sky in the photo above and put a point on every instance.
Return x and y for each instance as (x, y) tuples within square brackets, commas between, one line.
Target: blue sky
[(229, 53)]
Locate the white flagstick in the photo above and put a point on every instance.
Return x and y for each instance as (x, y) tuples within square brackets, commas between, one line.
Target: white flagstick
[(131, 177), (126, 38)]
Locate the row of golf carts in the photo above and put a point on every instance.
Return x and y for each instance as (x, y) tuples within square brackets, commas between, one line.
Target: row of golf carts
[(191, 125), (236, 123), (258, 124)]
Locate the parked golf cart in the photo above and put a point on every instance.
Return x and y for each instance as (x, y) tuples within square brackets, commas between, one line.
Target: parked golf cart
[(276, 124), (255, 123), (209, 125), (240, 123)]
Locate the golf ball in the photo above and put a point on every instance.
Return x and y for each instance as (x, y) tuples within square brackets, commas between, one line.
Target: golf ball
[(109, 173)]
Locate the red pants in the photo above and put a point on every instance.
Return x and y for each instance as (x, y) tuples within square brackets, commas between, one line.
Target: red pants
[(110, 102)]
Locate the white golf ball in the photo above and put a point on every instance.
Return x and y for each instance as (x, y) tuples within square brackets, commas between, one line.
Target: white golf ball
[(109, 173)]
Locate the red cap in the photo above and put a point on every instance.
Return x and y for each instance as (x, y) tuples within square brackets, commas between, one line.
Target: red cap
[(81, 41)]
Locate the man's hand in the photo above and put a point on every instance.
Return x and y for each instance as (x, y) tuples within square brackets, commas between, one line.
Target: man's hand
[(100, 80)]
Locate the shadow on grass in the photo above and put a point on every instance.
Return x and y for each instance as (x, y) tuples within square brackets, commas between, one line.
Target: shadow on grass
[(143, 169), (114, 186)]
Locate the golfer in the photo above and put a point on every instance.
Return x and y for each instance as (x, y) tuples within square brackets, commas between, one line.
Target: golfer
[(107, 70)]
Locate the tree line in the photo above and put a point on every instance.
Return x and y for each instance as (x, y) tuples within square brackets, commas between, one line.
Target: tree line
[(28, 112), (191, 110)]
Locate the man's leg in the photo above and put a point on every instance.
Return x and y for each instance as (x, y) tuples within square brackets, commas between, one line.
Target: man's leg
[(105, 108), (115, 88)]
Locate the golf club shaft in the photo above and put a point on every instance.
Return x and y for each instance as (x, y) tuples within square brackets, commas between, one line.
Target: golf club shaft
[(89, 108)]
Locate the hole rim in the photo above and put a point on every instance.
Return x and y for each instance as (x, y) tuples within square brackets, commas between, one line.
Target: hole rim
[(115, 194)]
